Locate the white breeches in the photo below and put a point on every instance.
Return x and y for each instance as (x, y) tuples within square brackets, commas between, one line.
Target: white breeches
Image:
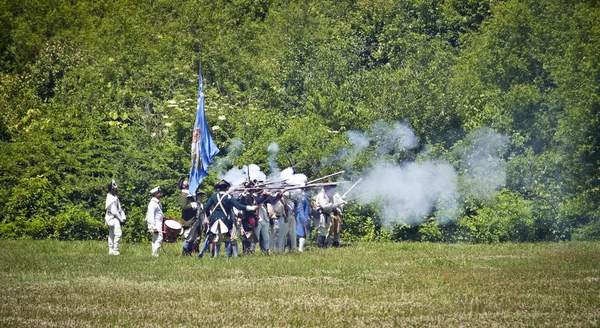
[(157, 238), (114, 234)]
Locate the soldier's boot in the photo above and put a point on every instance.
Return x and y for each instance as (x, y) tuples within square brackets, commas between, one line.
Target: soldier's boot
[(321, 241), (234, 249), (204, 247), (227, 249), (216, 249), (301, 244), (336, 241)]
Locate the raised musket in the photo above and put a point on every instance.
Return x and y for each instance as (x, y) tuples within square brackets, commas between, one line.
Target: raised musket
[(325, 177), (354, 185)]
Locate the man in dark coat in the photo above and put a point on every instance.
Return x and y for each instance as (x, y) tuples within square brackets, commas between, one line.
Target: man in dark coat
[(219, 213)]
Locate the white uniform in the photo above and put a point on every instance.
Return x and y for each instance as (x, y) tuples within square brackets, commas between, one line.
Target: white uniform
[(113, 218), (154, 219), (327, 204), (326, 207)]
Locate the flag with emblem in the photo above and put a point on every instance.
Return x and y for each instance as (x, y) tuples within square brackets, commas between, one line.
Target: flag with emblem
[(203, 147)]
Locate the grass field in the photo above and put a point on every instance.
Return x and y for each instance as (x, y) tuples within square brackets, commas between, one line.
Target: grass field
[(51, 283)]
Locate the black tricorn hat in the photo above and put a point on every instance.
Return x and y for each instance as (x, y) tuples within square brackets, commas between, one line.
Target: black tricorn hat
[(222, 185)]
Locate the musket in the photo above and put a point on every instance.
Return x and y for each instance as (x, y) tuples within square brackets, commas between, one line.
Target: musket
[(295, 187), (270, 182), (315, 185), (325, 177), (354, 185), (288, 158)]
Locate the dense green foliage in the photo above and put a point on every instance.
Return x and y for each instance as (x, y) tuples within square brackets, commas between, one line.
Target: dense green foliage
[(91, 91)]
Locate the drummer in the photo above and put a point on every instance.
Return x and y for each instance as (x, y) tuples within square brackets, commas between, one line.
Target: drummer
[(219, 213), (154, 219)]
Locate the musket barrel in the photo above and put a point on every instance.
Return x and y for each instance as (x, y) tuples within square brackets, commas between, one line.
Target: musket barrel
[(354, 185), (314, 185), (327, 176)]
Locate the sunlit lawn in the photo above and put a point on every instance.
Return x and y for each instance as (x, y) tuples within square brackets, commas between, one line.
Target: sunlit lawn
[(51, 283)]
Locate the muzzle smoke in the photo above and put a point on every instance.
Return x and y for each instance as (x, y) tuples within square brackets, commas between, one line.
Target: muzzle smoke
[(411, 192)]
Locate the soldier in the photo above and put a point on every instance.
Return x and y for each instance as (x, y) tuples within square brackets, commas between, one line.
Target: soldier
[(189, 219), (336, 219), (114, 217), (219, 213), (291, 198), (278, 213), (264, 220), (235, 230), (200, 224), (327, 201), (249, 222), (154, 220), (302, 220)]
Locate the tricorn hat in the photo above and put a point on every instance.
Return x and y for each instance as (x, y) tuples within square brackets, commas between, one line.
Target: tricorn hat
[(222, 185)]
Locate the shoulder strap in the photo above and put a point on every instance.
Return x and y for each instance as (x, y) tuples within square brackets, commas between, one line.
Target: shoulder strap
[(221, 204)]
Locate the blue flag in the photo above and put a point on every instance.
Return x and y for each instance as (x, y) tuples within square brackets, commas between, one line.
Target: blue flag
[(203, 147)]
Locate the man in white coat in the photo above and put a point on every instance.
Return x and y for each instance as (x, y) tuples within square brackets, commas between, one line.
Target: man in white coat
[(114, 217), (328, 201), (154, 219)]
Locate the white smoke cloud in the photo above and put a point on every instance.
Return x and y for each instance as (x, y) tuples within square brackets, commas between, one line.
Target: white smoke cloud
[(291, 178), (273, 150), (237, 176), (414, 191), (410, 193), (482, 167), (391, 138), (385, 138)]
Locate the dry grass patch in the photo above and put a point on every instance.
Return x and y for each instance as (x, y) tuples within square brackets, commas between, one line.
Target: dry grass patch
[(364, 285)]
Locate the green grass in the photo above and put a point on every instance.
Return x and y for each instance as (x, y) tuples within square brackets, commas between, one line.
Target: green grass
[(51, 283)]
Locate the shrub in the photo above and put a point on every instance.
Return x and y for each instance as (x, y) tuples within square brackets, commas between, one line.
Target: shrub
[(507, 218), (589, 232), (135, 228), (77, 224), (430, 231), (358, 223)]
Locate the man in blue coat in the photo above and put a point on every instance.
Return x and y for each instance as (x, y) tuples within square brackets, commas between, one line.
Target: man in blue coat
[(219, 213), (302, 219)]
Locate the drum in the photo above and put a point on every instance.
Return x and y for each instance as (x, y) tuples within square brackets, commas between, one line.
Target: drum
[(171, 230)]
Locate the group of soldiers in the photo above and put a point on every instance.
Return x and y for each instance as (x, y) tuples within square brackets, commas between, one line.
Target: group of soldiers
[(258, 217), (272, 220)]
